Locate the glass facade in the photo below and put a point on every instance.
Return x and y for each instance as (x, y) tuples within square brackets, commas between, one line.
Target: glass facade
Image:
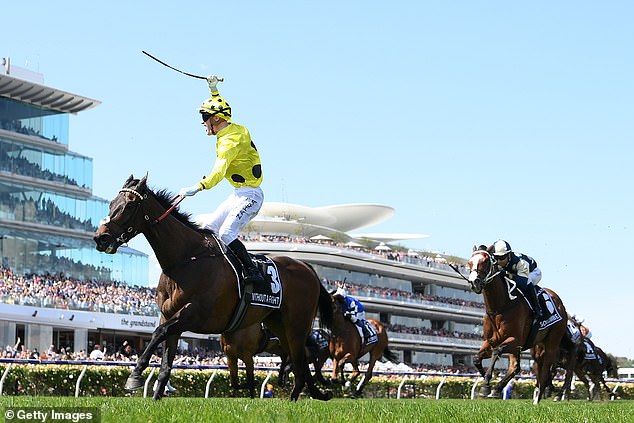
[(48, 214), (29, 119), (68, 169)]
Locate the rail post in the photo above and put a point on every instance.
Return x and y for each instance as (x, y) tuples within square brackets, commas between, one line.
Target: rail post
[(4, 376), (147, 382), (266, 379), (400, 387), (208, 386), (442, 382), (475, 386), (78, 383)]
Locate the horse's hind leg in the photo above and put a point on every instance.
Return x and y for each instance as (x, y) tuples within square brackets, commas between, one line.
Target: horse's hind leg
[(368, 374), (248, 364), (169, 351)]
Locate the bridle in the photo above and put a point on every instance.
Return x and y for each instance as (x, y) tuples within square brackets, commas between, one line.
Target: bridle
[(126, 234), (478, 283)]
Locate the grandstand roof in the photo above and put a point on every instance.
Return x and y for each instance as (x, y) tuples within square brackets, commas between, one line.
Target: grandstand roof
[(294, 219), (43, 96)]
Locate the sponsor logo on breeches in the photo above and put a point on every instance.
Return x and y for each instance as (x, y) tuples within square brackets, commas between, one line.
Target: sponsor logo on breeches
[(246, 208)]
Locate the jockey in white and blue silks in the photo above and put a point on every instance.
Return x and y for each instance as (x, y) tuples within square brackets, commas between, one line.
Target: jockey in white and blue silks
[(521, 269), (353, 310)]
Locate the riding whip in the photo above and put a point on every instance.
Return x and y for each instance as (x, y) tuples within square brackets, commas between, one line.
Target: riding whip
[(177, 70)]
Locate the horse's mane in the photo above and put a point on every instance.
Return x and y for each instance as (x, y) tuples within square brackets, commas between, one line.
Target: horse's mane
[(165, 197)]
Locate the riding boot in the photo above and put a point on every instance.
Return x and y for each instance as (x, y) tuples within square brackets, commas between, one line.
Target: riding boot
[(532, 298), (251, 272), (366, 332)]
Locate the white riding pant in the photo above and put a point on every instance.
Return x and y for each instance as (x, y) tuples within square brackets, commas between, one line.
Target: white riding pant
[(242, 205), (535, 276)]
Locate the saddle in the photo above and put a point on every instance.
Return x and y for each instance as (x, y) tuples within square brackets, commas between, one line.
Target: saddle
[(268, 294)]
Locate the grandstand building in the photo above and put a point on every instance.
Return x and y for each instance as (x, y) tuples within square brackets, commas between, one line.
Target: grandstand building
[(432, 316), (48, 213)]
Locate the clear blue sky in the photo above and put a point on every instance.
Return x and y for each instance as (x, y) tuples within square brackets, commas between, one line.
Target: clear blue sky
[(474, 120)]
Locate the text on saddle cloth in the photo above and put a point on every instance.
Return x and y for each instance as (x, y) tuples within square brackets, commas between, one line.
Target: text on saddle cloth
[(267, 294)]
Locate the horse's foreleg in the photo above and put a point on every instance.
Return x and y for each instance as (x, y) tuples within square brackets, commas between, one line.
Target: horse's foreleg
[(484, 353), (513, 370), (135, 380), (319, 364), (488, 375), (169, 351), (544, 360)]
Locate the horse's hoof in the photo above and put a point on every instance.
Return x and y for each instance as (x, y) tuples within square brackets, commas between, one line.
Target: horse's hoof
[(485, 391), (134, 383), (494, 394)]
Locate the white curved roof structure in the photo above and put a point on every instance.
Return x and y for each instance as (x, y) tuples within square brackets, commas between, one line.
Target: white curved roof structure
[(297, 220)]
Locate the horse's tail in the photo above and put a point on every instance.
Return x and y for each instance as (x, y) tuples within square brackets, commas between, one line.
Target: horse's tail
[(326, 313), (390, 355)]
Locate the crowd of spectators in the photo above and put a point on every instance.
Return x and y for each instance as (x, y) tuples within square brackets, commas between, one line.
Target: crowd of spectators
[(45, 212), (59, 291), (399, 295), (432, 332), (428, 260), (24, 167), (16, 126)]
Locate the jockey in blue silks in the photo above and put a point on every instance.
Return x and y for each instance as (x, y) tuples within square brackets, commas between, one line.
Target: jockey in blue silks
[(355, 312)]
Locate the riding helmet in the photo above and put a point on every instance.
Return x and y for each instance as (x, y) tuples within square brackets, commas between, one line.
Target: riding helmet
[(501, 248), (216, 105)]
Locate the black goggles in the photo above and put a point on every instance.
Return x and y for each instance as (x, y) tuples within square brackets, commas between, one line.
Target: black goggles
[(206, 116)]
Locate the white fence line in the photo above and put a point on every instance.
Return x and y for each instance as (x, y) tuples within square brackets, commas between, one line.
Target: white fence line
[(407, 376)]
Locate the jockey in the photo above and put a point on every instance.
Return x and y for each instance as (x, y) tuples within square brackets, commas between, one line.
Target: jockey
[(354, 311), (585, 331), (521, 269), (238, 161)]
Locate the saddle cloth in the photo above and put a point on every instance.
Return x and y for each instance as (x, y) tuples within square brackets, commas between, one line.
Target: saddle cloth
[(318, 339), (590, 352), (267, 294), (373, 336), (550, 314)]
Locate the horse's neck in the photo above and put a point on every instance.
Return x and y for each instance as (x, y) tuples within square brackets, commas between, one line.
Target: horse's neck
[(172, 241), (496, 296)]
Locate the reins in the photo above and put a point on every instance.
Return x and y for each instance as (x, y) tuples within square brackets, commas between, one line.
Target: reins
[(168, 211)]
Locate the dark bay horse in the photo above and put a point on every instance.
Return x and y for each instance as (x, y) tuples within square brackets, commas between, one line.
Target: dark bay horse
[(590, 370), (197, 290), (245, 343), (317, 353), (591, 362), (507, 326), (346, 346)]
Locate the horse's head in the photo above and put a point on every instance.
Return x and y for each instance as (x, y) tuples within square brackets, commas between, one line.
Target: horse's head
[(481, 268), (124, 221), (338, 303)]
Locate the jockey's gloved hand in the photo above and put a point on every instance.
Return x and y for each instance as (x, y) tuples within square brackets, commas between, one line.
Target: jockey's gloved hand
[(503, 273), (189, 191), (212, 81)]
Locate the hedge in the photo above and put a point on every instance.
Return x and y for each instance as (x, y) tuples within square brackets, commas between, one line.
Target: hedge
[(60, 380)]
